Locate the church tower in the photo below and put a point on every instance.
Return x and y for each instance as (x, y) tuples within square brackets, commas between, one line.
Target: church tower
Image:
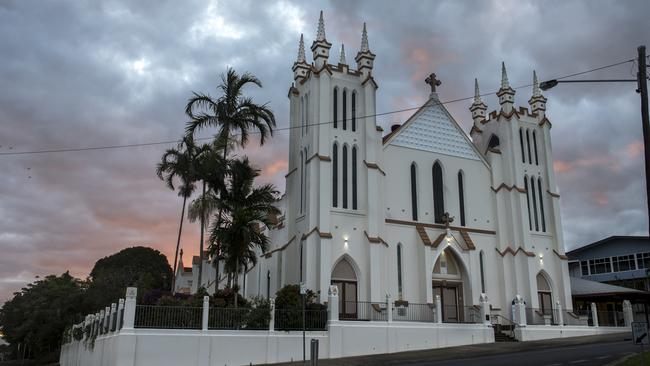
[(333, 180)]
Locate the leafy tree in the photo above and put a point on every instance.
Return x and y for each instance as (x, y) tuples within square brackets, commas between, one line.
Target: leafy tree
[(141, 267), (37, 315)]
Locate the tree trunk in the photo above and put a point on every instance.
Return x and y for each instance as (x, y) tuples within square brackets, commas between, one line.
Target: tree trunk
[(236, 281), (219, 215), (200, 284), (178, 244)]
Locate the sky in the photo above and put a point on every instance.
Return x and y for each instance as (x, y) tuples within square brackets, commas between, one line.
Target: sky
[(89, 73)]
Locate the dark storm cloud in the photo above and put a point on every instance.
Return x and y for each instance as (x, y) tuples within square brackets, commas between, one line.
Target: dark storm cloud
[(80, 74)]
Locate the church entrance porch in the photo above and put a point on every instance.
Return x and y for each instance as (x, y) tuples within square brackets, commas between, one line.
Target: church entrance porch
[(449, 282), (345, 279), (451, 300)]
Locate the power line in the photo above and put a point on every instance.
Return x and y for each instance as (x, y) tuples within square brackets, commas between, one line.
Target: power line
[(167, 142)]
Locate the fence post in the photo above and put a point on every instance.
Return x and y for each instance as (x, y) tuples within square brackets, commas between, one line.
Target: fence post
[(485, 309), (206, 313), (272, 310), (389, 308), (438, 310), (594, 314), (107, 319), (102, 321), (113, 317), (120, 307), (560, 313), (129, 307), (628, 315), (333, 303)]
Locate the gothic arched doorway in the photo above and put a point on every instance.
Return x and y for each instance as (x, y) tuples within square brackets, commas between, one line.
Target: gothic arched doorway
[(448, 284), (544, 295), (345, 278)]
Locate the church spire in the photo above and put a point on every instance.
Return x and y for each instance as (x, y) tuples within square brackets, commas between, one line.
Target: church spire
[(300, 67), (537, 102), (301, 50), (321, 48), (342, 60), (505, 84), (477, 93), (365, 58), (536, 91), (506, 94), (477, 108), (320, 34), (364, 40)]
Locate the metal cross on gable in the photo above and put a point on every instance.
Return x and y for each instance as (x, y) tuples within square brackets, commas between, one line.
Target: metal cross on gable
[(447, 219), (433, 81)]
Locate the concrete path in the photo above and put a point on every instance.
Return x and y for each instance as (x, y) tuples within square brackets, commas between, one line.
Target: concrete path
[(576, 351)]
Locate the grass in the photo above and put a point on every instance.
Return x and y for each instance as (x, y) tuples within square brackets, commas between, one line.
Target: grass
[(636, 360)]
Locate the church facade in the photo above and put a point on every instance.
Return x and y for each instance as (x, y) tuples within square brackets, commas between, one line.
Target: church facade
[(417, 212)]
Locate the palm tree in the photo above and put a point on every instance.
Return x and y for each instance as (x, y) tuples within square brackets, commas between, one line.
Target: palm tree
[(246, 208), (233, 115), (179, 163)]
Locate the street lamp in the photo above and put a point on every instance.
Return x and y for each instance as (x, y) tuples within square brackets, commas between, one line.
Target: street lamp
[(643, 90)]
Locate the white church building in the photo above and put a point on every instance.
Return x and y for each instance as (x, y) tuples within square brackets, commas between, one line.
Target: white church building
[(418, 211)]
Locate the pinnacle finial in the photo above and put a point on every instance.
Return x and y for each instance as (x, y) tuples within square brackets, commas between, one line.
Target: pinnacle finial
[(320, 34), (342, 60), (364, 39), (505, 84), (477, 93), (301, 50), (536, 91)]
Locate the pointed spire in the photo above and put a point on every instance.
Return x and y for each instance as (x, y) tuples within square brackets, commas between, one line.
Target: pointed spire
[(505, 84), (477, 93), (364, 40), (536, 91), (320, 34), (301, 50), (342, 59)]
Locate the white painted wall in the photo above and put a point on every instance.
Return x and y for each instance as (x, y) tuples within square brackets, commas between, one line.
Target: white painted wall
[(539, 332)]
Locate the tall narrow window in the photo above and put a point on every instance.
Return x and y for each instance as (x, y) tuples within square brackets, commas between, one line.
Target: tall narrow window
[(438, 199), (530, 220), (461, 198), (354, 177), (335, 175), (399, 271), (268, 284), (521, 140), (481, 259), (345, 108), (306, 113), (344, 184), (302, 182), (532, 190), (535, 148), (302, 115), (541, 204), (414, 192), (354, 111), (304, 173), (335, 117), (530, 158), (302, 243)]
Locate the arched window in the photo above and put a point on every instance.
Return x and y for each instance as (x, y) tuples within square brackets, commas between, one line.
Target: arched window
[(399, 271), (532, 190), (535, 148), (461, 198), (530, 157), (354, 177), (345, 108), (335, 117), (414, 192), (494, 142), (344, 184), (530, 221), (541, 204), (302, 182), (544, 295), (481, 258), (438, 199), (335, 175), (521, 140), (354, 111)]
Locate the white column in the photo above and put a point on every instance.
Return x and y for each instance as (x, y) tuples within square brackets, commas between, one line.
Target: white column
[(628, 315), (120, 306), (206, 312), (272, 309), (112, 317), (389, 308), (594, 314), (333, 304), (129, 307), (485, 309), (520, 310), (438, 309), (560, 313)]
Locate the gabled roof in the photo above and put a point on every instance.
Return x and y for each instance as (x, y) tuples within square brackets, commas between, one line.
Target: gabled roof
[(582, 287), (607, 240), (432, 128)]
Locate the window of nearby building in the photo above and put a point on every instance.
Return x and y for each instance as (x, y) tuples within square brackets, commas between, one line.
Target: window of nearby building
[(584, 265), (643, 260), (623, 263), (600, 265)]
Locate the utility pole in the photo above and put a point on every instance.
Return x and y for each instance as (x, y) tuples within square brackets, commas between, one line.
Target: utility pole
[(643, 90)]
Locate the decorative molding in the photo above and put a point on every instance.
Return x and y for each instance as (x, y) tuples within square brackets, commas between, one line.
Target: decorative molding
[(370, 79), (438, 240), (514, 252), (553, 194), (379, 129), (439, 226), (375, 240), (374, 166), (320, 157), (545, 121), (423, 235), (561, 256), (508, 188), (467, 239), (321, 234), (476, 129), (283, 247), (290, 172), (494, 150)]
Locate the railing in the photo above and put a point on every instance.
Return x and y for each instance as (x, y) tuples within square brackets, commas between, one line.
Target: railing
[(292, 319), (461, 314), (168, 317), (536, 316), (576, 317), (611, 318), (363, 310), (410, 312), (503, 325), (239, 318)]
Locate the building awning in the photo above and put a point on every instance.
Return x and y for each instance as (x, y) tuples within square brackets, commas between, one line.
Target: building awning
[(585, 288)]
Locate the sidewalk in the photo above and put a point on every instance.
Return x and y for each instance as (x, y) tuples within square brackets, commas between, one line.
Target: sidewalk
[(478, 350)]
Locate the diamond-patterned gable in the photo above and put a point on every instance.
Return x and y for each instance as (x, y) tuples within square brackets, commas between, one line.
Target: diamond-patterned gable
[(434, 131)]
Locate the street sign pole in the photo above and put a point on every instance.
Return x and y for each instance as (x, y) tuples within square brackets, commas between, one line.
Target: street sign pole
[(640, 336), (303, 292)]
